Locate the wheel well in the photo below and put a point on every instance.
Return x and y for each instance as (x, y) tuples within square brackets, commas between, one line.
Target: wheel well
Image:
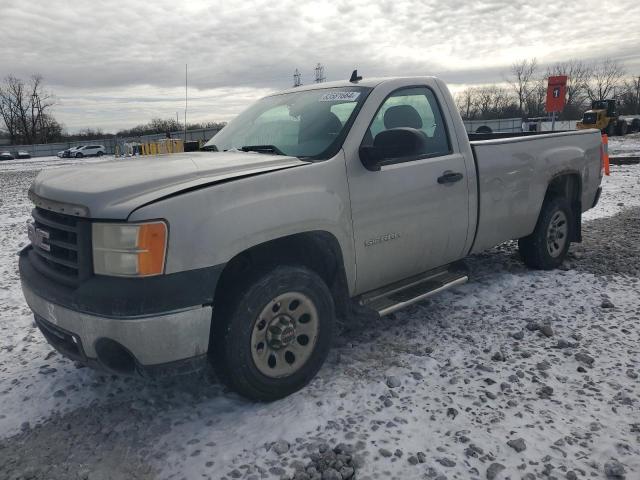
[(318, 250), (569, 186)]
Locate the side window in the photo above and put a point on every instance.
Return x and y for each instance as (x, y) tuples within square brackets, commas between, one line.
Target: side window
[(416, 108)]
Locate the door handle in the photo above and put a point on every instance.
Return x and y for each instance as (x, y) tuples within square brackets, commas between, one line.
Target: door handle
[(450, 177)]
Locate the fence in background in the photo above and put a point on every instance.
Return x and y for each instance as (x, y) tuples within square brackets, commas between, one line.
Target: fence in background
[(52, 149)]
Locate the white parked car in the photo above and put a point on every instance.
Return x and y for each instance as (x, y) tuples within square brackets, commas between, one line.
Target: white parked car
[(89, 151), (69, 152)]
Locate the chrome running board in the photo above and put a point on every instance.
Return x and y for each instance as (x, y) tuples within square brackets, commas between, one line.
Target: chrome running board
[(410, 291)]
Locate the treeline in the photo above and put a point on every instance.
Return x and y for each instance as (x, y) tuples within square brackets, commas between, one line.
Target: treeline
[(155, 126), (161, 125), (524, 90)]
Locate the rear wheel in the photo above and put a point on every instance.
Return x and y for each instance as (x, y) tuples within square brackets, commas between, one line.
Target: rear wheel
[(274, 334), (610, 130), (547, 246)]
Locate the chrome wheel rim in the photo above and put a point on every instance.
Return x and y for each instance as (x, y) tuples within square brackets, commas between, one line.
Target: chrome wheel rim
[(557, 232), (284, 335)]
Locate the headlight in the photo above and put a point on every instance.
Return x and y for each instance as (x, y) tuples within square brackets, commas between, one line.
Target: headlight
[(129, 249)]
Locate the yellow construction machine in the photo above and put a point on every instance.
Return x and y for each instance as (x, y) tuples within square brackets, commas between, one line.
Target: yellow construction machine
[(604, 116)]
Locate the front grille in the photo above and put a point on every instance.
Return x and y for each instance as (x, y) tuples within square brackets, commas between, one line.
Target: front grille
[(63, 246)]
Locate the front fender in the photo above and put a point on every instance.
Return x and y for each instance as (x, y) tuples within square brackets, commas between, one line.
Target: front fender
[(210, 226)]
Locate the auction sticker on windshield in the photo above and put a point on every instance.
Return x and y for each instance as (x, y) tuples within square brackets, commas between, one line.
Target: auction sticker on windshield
[(339, 96)]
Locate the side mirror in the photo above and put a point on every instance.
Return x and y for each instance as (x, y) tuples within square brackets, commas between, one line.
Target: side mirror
[(391, 144), (401, 142), (371, 157)]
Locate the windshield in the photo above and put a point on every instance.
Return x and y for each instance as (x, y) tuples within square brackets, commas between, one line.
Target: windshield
[(309, 123)]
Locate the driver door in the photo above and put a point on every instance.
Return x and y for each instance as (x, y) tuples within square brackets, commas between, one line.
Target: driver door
[(407, 217)]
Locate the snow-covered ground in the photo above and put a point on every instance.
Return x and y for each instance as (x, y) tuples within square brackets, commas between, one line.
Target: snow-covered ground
[(629, 145), (517, 374)]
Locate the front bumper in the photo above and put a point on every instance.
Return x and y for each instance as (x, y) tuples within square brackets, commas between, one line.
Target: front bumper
[(175, 341), (161, 324)]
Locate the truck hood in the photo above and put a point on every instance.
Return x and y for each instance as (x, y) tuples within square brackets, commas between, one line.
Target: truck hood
[(113, 189)]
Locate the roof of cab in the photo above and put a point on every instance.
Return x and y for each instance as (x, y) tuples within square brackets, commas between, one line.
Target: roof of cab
[(365, 82)]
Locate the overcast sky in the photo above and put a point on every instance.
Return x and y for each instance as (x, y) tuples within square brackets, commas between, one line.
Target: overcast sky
[(113, 64)]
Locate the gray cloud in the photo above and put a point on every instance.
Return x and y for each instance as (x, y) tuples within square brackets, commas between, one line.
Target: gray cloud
[(114, 64)]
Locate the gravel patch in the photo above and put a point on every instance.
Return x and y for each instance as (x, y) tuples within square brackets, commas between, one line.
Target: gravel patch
[(517, 374)]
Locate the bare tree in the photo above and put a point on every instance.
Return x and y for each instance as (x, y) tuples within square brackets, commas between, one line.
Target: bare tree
[(486, 102), (630, 97), (24, 107), (606, 77), (536, 101), (50, 129), (10, 92), (465, 101), (521, 81)]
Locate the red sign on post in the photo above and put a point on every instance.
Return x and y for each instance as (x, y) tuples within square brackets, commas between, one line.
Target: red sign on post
[(556, 92)]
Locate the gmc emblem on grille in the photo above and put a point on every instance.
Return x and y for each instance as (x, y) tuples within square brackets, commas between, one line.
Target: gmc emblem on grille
[(37, 237)]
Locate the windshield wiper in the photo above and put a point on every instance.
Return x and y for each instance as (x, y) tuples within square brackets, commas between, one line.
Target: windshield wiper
[(210, 148), (262, 149)]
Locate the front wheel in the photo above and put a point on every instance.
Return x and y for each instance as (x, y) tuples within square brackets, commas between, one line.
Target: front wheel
[(79, 155), (610, 130), (99, 154), (547, 246), (275, 334), (622, 128)]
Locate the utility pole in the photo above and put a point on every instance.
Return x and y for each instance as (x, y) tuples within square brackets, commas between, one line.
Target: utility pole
[(638, 96), (320, 73), (297, 78), (185, 101)]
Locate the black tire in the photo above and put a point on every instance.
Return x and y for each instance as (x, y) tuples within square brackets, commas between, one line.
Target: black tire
[(79, 155), (610, 130), (535, 248), (99, 154), (236, 320), (622, 128), (484, 129)]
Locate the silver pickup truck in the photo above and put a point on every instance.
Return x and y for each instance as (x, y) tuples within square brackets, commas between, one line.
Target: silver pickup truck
[(313, 204)]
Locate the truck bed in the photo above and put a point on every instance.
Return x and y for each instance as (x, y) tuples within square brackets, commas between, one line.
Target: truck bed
[(514, 171), (474, 137)]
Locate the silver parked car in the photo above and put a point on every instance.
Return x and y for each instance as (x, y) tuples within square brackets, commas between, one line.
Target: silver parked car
[(89, 151)]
